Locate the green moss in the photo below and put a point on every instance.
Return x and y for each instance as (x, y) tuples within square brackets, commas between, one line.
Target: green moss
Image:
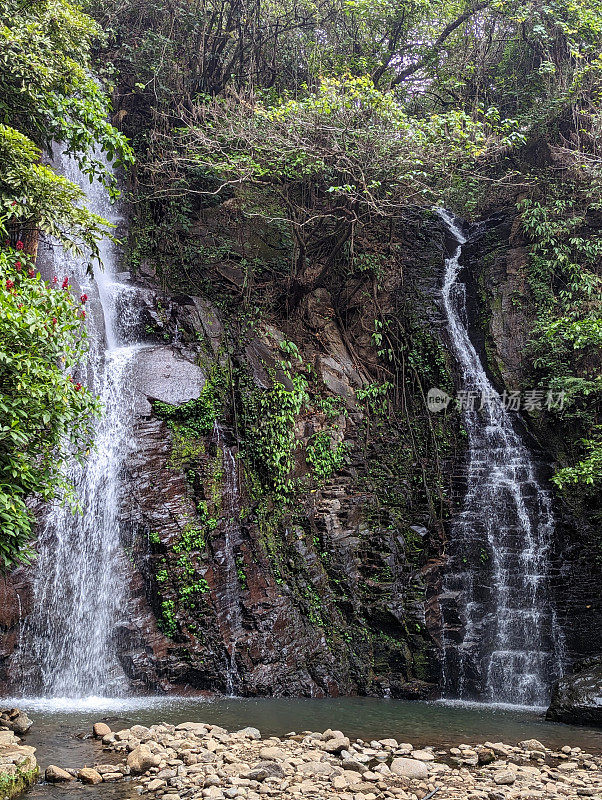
[(15, 784)]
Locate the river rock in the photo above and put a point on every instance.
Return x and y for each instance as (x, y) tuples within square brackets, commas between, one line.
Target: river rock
[(424, 755), (110, 777), (88, 775), (505, 777), (142, 759), (316, 769), (250, 733), (265, 769), (272, 754), (485, 755), (532, 744), (336, 744), (100, 729), (15, 720), (55, 774), (18, 768), (409, 768)]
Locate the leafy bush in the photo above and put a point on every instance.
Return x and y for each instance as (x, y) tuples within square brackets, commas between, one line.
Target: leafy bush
[(45, 413)]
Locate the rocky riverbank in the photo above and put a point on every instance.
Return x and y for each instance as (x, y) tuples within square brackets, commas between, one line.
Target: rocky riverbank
[(18, 765), (197, 760)]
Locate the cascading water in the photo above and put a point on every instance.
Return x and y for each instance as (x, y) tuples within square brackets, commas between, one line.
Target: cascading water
[(501, 642), (229, 587), (68, 646)]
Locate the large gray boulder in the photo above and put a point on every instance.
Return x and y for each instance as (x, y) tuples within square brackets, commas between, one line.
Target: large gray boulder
[(578, 697)]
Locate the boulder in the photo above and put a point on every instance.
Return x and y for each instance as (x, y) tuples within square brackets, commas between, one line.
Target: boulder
[(577, 698), (15, 720), (142, 759), (409, 768), (100, 729), (88, 775), (55, 774)]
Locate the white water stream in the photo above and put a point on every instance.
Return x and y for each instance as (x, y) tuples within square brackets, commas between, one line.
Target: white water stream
[(68, 644), (506, 646)]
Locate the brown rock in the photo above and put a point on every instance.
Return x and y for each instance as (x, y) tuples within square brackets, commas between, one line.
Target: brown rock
[(486, 755), (55, 774), (100, 729), (88, 775), (142, 759)]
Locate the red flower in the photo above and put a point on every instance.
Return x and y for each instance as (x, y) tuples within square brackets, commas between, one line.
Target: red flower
[(19, 245), (30, 273), (83, 314), (65, 282), (83, 298), (55, 280), (14, 203), (78, 386), (54, 320), (9, 284), (18, 266)]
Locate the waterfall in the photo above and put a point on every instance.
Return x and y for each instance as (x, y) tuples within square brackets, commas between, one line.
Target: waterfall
[(68, 645), (501, 641), (229, 588)]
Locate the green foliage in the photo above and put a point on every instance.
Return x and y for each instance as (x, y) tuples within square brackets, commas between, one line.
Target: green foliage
[(375, 398), (588, 471), (45, 414), (564, 276), (168, 622), (270, 416), (324, 455), (46, 91), (191, 539)]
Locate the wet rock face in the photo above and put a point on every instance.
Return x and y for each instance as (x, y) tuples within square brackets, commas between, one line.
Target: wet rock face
[(577, 698), (322, 597)]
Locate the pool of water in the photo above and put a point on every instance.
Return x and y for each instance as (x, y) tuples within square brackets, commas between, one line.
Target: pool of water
[(60, 725)]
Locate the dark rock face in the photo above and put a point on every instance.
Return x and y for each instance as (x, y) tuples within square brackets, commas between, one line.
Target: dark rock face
[(577, 698), (334, 594)]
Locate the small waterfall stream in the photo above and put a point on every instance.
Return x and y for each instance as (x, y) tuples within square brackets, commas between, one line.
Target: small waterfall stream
[(68, 646), (501, 641), (229, 582)]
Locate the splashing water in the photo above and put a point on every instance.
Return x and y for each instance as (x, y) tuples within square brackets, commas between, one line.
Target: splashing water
[(502, 644)]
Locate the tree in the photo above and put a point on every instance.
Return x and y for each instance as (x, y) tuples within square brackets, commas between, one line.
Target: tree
[(46, 96)]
